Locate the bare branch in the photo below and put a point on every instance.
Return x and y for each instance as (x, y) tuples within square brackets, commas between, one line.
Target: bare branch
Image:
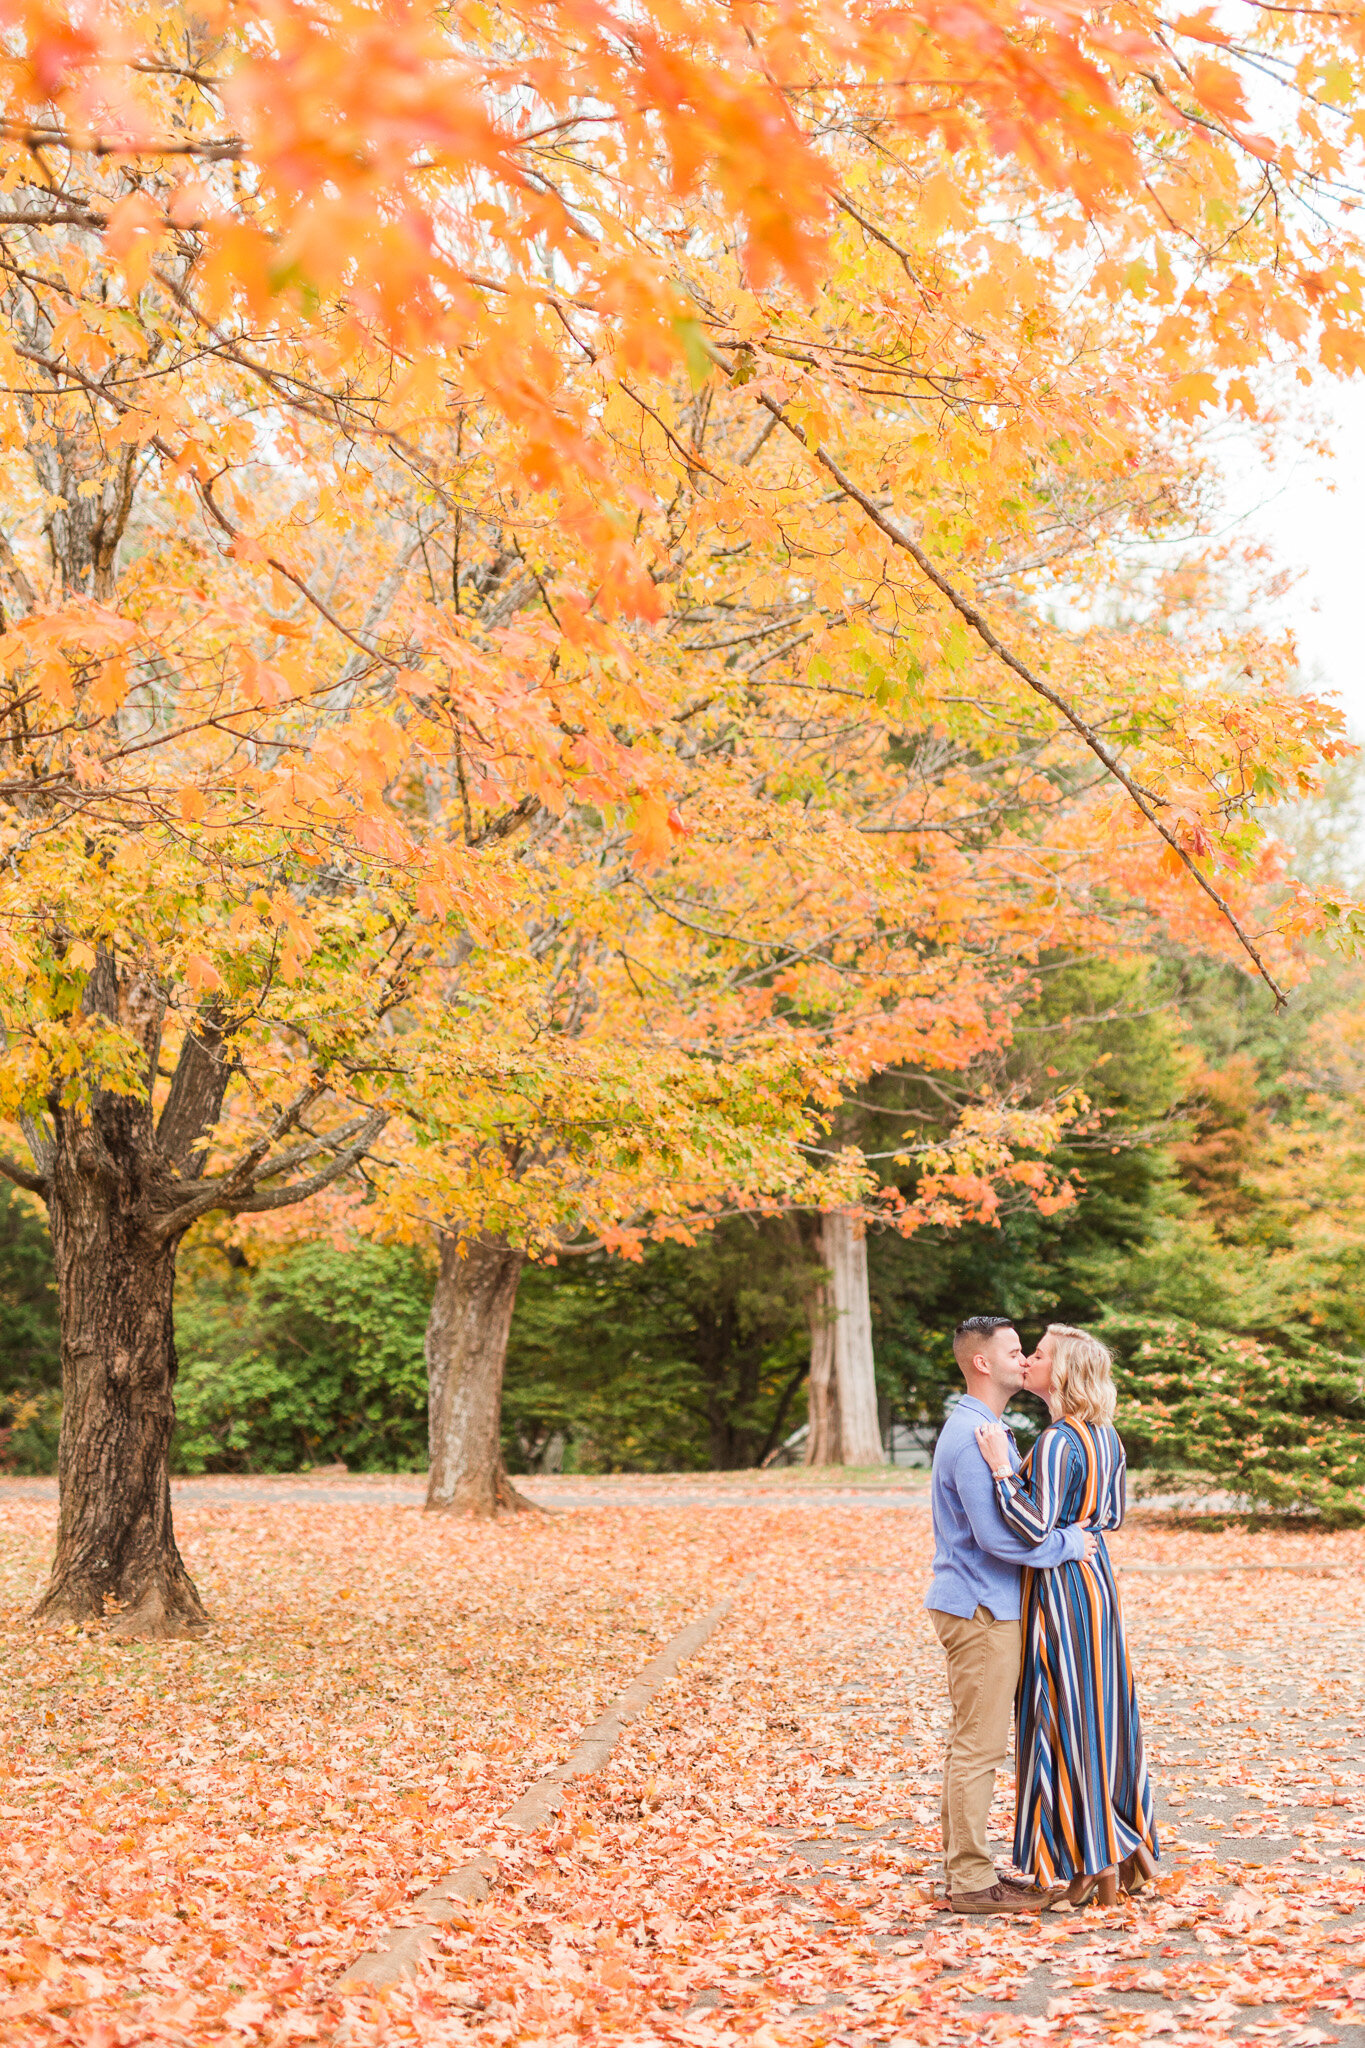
[(213, 149), (285, 1162), (299, 1191), (36, 1183), (39, 1140), (237, 1192)]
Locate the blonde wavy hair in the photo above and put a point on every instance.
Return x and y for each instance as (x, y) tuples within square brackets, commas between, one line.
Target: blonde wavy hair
[(1082, 1376)]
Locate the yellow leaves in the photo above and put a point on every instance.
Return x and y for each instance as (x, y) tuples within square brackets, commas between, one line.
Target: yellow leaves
[(261, 682), (421, 392), (238, 265), (109, 688), (1342, 348), (53, 679), (1193, 391), (941, 206), (420, 411), (695, 353), (79, 338)]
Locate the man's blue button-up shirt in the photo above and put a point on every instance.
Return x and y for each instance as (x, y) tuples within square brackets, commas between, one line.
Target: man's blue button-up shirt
[(976, 1557)]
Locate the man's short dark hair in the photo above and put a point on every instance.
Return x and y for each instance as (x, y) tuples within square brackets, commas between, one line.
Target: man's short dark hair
[(972, 1330)]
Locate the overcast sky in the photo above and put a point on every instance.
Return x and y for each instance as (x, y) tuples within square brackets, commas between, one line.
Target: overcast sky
[(1312, 513)]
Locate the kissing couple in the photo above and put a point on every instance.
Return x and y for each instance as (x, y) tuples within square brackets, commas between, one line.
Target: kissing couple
[(1025, 1605)]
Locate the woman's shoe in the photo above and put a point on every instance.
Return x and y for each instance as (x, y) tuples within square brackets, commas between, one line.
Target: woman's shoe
[(1137, 1871), (1101, 1885)]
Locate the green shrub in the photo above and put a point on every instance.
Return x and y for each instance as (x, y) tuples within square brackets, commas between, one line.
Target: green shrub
[(30, 1425), (315, 1357), (30, 1340), (690, 1358), (1284, 1429)]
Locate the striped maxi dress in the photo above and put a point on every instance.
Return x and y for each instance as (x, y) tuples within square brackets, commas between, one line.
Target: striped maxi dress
[(1083, 1800)]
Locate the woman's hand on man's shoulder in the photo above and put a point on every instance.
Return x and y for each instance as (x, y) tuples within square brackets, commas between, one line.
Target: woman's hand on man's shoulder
[(994, 1447)]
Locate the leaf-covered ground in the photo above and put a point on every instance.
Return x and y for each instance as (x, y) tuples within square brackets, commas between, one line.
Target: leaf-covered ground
[(195, 1839)]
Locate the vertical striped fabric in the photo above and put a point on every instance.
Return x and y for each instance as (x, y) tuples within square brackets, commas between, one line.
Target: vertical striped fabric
[(1083, 1802)]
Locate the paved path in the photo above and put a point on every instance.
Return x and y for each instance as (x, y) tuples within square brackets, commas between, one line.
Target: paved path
[(1248, 1724), (323, 1490)]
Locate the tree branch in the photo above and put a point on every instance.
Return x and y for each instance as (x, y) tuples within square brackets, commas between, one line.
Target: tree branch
[(772, 1442), (36, 1183), (297, 1154), (237, 1192), (39, 1139), (981, 626), (299, 1191), (502, 827), (213, 149), (195, 1101)]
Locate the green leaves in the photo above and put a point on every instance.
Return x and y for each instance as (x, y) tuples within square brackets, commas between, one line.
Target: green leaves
[(1283, 1429), (695, 352), (315, 1356)]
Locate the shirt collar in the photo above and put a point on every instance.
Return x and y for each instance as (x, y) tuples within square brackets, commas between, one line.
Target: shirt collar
[(975, 1407)]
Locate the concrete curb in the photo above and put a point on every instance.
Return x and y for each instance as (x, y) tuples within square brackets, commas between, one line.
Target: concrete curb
[(398, 1958)]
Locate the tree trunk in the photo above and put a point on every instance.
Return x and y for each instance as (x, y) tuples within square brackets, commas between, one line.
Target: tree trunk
[(466, 1346), (825, 1435), (844, 1426), (116, 1549)]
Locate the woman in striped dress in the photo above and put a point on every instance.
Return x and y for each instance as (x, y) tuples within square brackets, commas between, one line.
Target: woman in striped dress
[(1084, 1806)]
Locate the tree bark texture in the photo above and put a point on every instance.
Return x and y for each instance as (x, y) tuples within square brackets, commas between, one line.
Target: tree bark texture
[(844, 1426), (824, 1428), (107, 1184), (116, 1548), (121, 1188), (466, 1347)]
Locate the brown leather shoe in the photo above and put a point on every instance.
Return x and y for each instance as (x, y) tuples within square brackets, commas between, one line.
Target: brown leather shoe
[(997, 1898), (1028, 1885)]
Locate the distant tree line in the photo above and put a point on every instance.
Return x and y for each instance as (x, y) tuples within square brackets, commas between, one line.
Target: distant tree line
[(1218, 1237)]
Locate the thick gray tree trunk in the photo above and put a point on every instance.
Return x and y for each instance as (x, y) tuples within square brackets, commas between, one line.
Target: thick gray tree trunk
[(844, 1425), (466, 1346)]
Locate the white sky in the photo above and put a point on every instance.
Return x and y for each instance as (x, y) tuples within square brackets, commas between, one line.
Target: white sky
[(1311, 512)]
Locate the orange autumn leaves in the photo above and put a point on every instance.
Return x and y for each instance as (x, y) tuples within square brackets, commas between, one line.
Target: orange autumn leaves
[(199, 1837), (396, 383)]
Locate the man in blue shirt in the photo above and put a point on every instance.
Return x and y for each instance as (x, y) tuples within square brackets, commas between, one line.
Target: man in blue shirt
[(974, 1600)]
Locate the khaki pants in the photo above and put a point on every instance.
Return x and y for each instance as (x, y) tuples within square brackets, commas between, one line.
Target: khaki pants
[(983, 1670)]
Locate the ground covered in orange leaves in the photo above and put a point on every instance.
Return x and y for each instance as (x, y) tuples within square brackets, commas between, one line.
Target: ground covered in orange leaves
[(196, 1838)]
